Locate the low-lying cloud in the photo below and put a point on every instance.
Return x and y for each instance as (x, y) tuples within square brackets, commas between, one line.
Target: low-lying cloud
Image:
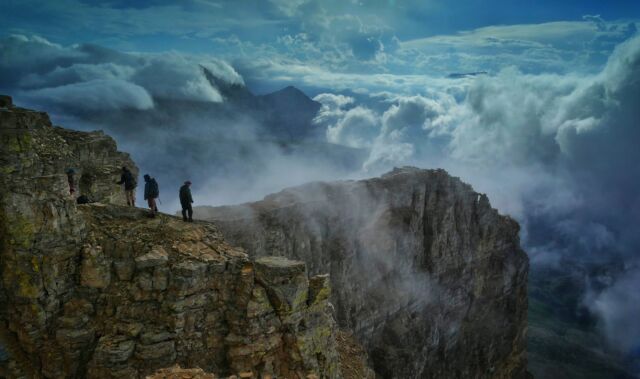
[(84, 78), (560, 150)]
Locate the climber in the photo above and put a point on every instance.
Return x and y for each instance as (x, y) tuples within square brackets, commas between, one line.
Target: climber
[(185, 201), (151, 193), (72, 180), (129, 186)]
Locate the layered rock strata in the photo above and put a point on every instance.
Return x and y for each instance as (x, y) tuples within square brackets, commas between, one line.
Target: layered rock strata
[(104, 291), (431, 279)]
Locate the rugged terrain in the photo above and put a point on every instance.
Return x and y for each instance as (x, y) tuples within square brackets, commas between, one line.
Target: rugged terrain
[(429, 277), (422, 271), (103, 291)]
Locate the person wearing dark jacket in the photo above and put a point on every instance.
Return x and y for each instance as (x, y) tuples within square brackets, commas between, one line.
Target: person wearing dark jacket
[(151, 193), (130, 185), (186, 200)]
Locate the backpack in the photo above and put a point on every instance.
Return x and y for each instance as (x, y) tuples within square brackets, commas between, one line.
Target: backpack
[(129, 180), (154, 191)]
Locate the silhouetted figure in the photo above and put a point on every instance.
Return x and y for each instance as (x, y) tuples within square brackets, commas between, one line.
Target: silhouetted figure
[(151, 193), (71, 178), (186, 200), (130, 185)]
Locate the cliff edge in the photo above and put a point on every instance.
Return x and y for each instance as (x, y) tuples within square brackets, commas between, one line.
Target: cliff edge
[(102, 290), (430, 278)]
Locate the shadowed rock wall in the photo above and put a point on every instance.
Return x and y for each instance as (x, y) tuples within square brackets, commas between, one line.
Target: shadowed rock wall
[(431, 279)]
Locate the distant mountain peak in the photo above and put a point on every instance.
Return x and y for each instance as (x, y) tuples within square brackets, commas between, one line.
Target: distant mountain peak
[(289, 91)]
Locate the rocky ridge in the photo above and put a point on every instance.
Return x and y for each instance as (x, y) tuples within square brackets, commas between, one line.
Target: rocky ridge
[(103, 291), (430, 278)]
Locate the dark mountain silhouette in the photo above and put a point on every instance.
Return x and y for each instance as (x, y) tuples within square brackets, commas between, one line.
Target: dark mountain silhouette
[(289, 112), (286, 114)]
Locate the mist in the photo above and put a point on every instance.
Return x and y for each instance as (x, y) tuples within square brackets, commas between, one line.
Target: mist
[(558, 152)]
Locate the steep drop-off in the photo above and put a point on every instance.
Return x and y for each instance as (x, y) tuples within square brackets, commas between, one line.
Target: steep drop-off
[(431, 279), (103, 291)]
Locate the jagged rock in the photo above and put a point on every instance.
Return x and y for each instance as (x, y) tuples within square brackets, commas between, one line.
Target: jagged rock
[(114, 350), (103, 291), (156, 257), (430, 278), (96, 267), (286, 282)]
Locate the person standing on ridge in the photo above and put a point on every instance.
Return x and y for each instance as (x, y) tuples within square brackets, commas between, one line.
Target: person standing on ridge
[(151, 193), (130, 185), (186, 200)]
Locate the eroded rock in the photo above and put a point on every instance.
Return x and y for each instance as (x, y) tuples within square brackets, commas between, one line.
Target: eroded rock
[(103, 291)]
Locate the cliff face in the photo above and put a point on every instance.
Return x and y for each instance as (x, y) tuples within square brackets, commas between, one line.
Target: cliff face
[(429, 276), (103, 291)]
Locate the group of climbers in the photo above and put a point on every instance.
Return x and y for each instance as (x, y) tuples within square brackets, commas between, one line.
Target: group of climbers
[(151, 192)]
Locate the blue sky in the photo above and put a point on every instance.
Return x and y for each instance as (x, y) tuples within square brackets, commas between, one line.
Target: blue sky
[(307, 42)]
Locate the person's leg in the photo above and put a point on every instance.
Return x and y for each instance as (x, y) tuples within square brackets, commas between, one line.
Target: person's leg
[(130, 198), (190, 209), (184, 212), (133, 197), (152, 206)]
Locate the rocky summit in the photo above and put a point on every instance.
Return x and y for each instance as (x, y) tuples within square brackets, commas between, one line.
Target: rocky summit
[(413, 273), (102, 290), (430, 278)]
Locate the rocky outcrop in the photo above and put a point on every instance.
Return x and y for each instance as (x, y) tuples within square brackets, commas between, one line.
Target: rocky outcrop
[(103, 291), (430, 278), (36, 155)]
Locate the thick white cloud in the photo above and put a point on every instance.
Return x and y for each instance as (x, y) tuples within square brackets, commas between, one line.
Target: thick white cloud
[(552, 150), (356, 128), (173, 76), (93, 95), (350, 126), (75, 73), (36, 70)]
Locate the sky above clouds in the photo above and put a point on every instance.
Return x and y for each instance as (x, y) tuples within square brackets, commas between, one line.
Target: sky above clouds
[(550, 132), (314, 43)]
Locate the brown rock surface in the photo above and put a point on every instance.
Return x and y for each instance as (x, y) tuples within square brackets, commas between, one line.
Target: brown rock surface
[(103, 291), (176, 372)]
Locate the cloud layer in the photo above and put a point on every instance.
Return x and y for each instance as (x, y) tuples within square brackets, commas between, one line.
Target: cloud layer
[(552, 150), (86, 78)]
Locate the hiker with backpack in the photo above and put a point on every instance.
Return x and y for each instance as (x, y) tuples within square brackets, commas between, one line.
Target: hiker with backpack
[(151, 193), (130, 185), (185, 201)]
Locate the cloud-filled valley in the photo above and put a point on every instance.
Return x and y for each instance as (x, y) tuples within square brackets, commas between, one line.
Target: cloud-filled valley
[(552, 146)]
